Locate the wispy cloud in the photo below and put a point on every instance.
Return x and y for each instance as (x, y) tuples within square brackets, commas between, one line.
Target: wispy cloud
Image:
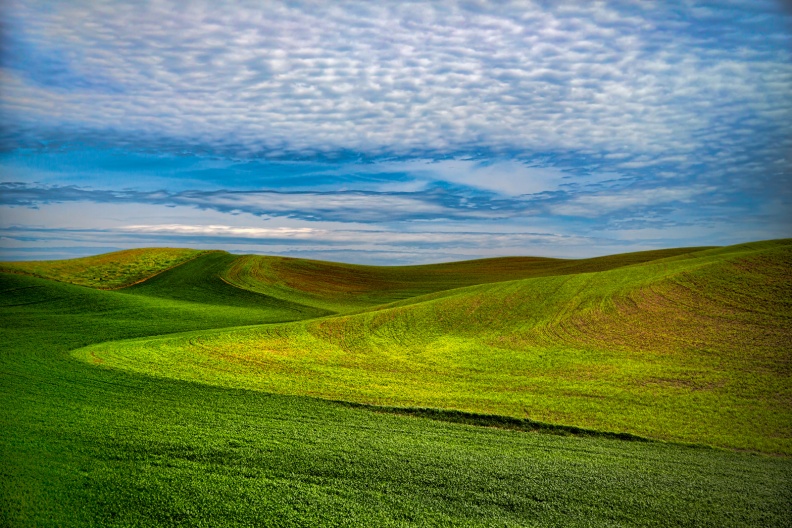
[(224, 230), (376, 207), (361, 245), (602, 204), (502, 176), (360, 237), (350, 206)]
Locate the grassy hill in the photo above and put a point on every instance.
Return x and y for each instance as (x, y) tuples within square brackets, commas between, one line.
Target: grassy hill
[(108, 271), (692, 348), (347, 287), (114, 439)]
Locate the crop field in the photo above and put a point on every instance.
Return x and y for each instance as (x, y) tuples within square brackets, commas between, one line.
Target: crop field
[(347, 287), (108, 271), (647, 389)]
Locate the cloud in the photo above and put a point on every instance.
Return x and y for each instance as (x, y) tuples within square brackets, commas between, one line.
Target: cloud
[(617, 204), (141, 171), (503, 176), (577, 117), (396, 78), (359, 237), (345, 206), (601, 204), (359, 245), (224, 230), (77, 228)]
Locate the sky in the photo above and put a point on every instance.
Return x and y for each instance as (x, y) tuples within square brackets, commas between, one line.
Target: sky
[(393, 132)]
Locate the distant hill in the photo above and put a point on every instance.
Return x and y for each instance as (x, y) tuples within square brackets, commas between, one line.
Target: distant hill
[(344, 287), (108, 271)]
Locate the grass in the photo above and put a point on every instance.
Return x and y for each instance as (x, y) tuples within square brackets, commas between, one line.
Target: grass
[(91, 444), (343, 288), (693, 348), (108, 271)]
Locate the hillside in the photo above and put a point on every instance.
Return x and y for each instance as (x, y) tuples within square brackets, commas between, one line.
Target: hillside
[(116, 440), (693, 347), (347, 287), (108, 271)]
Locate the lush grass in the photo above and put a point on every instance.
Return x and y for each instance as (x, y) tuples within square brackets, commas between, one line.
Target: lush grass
[(108, 271), (693, 348), (89, 445), (199, 282), (348, 287)]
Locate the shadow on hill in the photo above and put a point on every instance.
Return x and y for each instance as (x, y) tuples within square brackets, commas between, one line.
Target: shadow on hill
[(199, 281), (493, 420)]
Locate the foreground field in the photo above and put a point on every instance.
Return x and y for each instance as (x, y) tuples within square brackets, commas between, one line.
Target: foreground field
[(85, 443)]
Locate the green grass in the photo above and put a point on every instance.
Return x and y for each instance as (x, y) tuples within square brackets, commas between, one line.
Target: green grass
[(343, 288), (199, 282), (90, 444), (693, 348), (108, 271)]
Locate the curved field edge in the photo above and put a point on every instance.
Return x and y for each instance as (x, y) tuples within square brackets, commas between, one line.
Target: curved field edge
[(693, 349), (198, 282), (89, 355), (346, 288), (108, 271)]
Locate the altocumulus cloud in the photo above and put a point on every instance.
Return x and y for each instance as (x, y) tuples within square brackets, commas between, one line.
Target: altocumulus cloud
[(638, 77), (569, 118)]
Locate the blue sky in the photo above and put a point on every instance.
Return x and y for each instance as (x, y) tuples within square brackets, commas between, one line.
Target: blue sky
[(395, 132)]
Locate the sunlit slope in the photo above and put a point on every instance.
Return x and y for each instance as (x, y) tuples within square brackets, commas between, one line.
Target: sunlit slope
[(190, 295), (692, 348), (347, 287), (107, 271)]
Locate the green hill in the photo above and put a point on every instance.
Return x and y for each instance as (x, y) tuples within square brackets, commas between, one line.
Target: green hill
[(347, 287), (693, 348), (114, 439), (108, 271), (200, 281)]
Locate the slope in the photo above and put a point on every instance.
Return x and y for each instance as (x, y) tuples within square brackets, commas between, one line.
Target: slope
[(199, 281), (107, 271), (691, 348), (90, 445), (347, 287)]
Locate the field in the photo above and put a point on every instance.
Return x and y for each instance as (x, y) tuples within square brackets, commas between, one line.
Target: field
[(108, 271), (648, 389)]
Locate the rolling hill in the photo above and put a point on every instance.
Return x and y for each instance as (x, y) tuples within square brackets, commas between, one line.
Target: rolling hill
[(693, 348), (108, 271), (201, 396), (347, 287)]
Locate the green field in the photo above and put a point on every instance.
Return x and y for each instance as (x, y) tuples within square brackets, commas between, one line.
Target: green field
[(108, 271), (202, 396)]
